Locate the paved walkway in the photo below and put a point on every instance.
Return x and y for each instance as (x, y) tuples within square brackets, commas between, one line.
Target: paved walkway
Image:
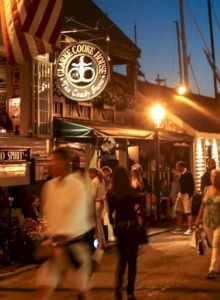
[(14, 269), (168, 269)]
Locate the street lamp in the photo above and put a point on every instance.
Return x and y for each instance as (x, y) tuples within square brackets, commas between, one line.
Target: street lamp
[(181, 89), (157, 114)]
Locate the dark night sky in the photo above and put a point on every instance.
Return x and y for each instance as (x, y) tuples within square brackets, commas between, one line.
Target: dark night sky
[(156, 36)]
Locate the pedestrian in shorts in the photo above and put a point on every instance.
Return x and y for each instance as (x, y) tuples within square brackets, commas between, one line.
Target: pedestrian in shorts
[(183, 205)]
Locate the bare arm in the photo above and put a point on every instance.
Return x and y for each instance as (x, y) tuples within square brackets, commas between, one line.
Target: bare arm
[(200, 214)]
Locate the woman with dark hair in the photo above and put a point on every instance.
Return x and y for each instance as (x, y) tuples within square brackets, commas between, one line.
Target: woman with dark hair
[(123, 203)]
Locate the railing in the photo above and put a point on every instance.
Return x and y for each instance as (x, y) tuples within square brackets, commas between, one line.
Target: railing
[(86, 112)]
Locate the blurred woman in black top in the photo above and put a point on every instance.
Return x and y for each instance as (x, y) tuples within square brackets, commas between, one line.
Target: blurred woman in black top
[(123, 204)]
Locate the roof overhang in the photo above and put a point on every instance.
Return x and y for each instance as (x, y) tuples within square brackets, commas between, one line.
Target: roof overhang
[(69, 130)]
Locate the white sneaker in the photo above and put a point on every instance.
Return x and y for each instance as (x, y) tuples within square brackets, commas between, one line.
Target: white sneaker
[(188, 232)]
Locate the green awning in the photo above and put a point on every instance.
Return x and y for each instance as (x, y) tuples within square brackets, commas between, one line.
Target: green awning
[(66, 130), (69, 130)]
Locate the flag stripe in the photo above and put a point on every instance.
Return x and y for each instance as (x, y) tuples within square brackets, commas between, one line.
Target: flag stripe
[(14, 51), (54, 22), (46, 22), (26, 4), (31, 23), (45, 19), (18, 36), (54, 39), (19, 45), (35, 45), (5, 35)]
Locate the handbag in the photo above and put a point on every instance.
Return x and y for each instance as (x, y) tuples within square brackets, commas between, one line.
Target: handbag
[(142, 237), (198, 241)]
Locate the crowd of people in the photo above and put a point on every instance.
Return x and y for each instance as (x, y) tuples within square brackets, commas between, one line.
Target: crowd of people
[(74, 205)]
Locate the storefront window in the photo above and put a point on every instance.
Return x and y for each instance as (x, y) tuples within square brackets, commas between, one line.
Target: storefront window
[(12, 174), (42, 96)]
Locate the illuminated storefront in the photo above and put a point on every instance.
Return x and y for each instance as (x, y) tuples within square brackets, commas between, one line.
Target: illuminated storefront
[(14, 166)]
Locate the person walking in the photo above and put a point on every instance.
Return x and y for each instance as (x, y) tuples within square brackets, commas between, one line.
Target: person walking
[(210, 214), (67, 208), (33, 207), (107, 171), (108, 230), (123, 203), (146, 187), (183, 205), (165, 199), (98, 192), (206, 176), (175, 189)]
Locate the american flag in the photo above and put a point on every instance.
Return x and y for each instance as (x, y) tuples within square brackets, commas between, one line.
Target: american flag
[(30, 28)]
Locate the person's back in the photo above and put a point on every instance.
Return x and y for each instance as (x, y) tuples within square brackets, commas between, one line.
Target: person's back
[(67, 209), (68, 213), (187, 183), (123, 206)]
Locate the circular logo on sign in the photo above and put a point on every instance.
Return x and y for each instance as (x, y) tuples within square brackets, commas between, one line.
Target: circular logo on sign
[(82, 71)]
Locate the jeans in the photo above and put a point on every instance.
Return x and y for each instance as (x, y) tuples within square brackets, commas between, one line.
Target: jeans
[(127, 250)]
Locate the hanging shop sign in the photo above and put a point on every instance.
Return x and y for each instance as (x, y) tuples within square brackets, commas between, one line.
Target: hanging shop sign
[(14, 154), (82, 71), (108, 144)]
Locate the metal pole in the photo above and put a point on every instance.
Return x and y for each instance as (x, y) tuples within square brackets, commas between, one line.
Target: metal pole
[(157, 172), (179, 52), (212, 46), (183, 35), (135, 33)]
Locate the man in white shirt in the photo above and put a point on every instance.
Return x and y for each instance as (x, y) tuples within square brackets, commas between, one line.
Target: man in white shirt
[(68, 213)]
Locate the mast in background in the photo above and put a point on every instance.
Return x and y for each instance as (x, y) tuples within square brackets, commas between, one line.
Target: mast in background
[(135, 33), (212, 47), (184, 47), (179, 52)]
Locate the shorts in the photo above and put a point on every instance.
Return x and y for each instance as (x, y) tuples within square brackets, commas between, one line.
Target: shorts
[(52, 271), (183, 203)]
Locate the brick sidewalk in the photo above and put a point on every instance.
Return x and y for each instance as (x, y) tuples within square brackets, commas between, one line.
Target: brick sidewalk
[(14, 269)]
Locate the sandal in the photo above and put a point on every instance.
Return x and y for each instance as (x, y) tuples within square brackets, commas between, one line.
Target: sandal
[(211, 275)]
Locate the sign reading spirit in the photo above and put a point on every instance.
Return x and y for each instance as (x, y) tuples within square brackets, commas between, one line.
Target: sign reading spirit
[(14, 154), (82, 71)]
